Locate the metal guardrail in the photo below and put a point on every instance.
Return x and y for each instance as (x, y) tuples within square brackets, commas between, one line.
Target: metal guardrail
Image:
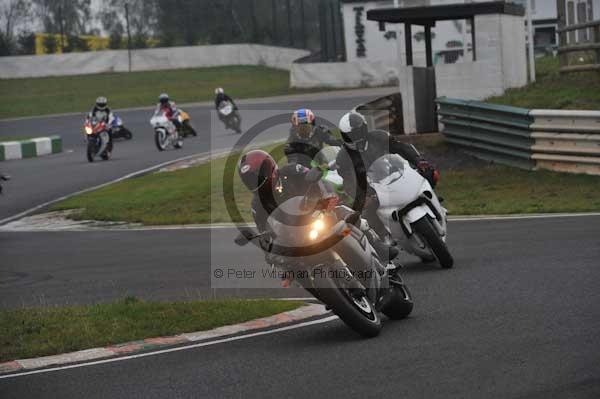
[(566, 141), (493, 132), (560, 140), (384, 113)]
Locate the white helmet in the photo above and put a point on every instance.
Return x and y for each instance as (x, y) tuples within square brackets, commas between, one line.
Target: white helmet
[(354, 130), (219, 90)]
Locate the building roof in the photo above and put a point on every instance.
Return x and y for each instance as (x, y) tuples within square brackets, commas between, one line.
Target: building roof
[(427, 15)]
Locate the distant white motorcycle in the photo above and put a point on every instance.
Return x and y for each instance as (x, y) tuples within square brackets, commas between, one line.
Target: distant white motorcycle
[(230, 116), (410, 209), (165, 132)]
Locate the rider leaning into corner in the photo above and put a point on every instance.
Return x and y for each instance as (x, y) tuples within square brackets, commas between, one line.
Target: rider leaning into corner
[(306, 138), (272, 185), (169, 109), (220, 96), (363, 147)]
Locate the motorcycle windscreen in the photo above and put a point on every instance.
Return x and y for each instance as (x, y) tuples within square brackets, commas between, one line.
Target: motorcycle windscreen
[(385, 176), (395, 182)]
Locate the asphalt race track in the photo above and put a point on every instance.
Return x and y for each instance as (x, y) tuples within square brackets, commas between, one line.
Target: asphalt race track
[(518, 317)]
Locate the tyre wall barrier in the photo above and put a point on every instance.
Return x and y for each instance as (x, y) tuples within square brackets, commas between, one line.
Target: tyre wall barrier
[(30, 148), (559, 140)]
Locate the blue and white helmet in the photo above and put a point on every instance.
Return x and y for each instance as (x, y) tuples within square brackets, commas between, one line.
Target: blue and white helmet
[(303, 122)]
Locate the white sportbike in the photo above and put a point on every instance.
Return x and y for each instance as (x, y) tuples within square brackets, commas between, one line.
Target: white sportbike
[(165, 132), (410, 209)]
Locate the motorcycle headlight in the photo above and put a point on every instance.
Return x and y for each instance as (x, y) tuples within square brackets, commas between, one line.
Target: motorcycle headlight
[(315, 229), (88, 130)]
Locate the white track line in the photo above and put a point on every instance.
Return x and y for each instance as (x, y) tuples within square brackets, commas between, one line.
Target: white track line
[(177, 349), (521, 216), (227, 226)]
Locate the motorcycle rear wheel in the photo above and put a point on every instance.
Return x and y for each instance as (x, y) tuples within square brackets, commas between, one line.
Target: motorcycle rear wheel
[(189, 129), (236, 124), (424, 228), (356, 311)]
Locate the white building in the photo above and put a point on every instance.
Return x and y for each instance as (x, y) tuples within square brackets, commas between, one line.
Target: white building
[(452, 40), (545, 20)]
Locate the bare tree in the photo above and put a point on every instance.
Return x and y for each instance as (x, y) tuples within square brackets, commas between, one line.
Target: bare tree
[(12, 14), (69, 17), (143, 17)]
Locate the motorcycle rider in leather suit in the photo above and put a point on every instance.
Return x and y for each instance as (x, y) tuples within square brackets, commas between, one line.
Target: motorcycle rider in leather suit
[(272, 185)]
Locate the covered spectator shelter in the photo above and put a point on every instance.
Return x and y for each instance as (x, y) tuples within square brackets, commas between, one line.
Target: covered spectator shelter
[(498, 55)]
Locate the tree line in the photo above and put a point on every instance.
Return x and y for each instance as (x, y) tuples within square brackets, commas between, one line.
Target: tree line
[(165, 23)]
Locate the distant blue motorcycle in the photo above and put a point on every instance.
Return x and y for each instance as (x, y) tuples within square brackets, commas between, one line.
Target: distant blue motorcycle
[(118, 130)]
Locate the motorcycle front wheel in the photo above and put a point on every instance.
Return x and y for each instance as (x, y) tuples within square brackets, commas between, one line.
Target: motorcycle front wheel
[(428, 233), (160, 138), (91, 151), (354, 309)]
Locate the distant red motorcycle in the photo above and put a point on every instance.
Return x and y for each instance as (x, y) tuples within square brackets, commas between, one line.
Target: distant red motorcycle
[(99, 142)]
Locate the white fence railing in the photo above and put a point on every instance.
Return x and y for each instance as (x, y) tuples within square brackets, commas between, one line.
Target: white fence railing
[(566, 141)]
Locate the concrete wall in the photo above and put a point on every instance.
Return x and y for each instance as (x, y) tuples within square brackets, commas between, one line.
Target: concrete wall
[(344, 74), (148, 59)]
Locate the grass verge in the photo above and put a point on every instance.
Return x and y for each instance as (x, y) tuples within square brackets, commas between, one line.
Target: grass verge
[(195, 195), (42, 96), (27, 333), (552, 90)]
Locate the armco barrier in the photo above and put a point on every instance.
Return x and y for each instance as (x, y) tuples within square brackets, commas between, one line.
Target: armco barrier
[(384, 113), (566, 141), (494, 132)]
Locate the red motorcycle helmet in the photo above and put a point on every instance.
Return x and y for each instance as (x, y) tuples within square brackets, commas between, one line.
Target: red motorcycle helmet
[(257, 168)]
